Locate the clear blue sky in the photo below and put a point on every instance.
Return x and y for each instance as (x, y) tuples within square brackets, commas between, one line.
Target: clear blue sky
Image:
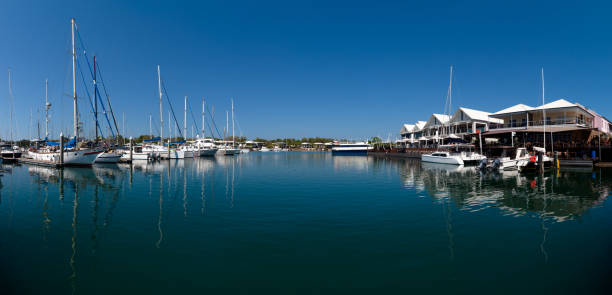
[(297, 68)]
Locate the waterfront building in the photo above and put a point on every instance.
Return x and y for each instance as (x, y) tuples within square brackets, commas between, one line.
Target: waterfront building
[(570, 127), (466, 122), (561, 115)]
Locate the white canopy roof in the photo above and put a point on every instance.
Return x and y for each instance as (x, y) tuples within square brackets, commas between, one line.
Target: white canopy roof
[(437, 120), (515, 109), (557, 104), (474, 115), (418, 126), (407, 128)]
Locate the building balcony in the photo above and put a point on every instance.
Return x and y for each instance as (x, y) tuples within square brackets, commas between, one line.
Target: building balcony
[(540, 123)]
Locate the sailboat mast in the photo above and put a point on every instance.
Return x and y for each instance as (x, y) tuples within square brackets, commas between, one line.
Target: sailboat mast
[(161, 112), (185, 119), (11, 106), (450, 97), (233, 135), (203, 114), (74, 93), (47, 106), (226, 125), (151, 125), (543, 112), (95, 96)]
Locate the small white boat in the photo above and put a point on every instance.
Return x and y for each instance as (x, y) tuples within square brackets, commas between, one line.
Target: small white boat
[(137, 155), (228, 151), (264, 149), (442, 157), (245, 151), (9, 153), (530, 163)]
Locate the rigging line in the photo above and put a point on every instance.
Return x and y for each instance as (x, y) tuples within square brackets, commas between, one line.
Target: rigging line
[(213, 123), (89, 98), (80, 39), (110, 106), (101, 102), (192, 117), (171, 109)]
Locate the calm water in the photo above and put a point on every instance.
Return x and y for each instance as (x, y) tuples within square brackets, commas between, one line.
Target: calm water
[(286, 223)]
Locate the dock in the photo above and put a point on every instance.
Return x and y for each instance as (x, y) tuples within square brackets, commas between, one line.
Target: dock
[(39, 163)]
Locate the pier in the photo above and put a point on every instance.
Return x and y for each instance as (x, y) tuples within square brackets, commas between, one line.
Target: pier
[(39, 163)]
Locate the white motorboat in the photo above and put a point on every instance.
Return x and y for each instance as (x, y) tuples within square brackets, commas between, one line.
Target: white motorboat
[(264, 149), (9, 153), (206, 146), (137, 154), (530, 163), (350, 149), (466, 151), (155, 151), (442, 157), (245, 151), (228, 151)]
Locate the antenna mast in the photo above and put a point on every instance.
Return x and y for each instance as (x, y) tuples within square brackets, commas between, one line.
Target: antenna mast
[(74, 93)]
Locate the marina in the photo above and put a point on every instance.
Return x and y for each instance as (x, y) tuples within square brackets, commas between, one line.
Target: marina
[(368, 147)]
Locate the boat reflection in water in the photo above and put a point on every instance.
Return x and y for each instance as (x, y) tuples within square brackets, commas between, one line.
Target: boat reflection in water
[(558, 195)]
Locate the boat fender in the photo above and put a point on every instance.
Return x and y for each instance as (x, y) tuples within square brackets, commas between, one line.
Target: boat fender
[(533, 159)]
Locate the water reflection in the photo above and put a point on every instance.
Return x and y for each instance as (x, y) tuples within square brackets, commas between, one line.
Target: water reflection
[(156, 214), (558, 195)]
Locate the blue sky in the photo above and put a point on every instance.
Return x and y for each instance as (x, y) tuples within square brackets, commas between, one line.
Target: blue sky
[(343, 69)]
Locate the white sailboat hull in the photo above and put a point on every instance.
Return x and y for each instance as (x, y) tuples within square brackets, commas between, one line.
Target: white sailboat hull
[(71, 158), (208, 152), (451, 160), (174, 154)]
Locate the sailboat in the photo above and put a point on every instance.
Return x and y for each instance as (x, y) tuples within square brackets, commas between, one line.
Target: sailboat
[(206, 146), (8, 152), (442, 156), (531, 163), (226, 149), (73, 154), (109, 156)]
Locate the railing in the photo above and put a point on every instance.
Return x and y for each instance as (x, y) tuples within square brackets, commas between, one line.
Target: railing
[(540, 123)]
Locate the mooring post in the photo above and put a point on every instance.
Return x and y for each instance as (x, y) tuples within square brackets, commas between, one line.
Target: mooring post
[(131, 149), (541, 161), (61, 159), (556, 159)]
